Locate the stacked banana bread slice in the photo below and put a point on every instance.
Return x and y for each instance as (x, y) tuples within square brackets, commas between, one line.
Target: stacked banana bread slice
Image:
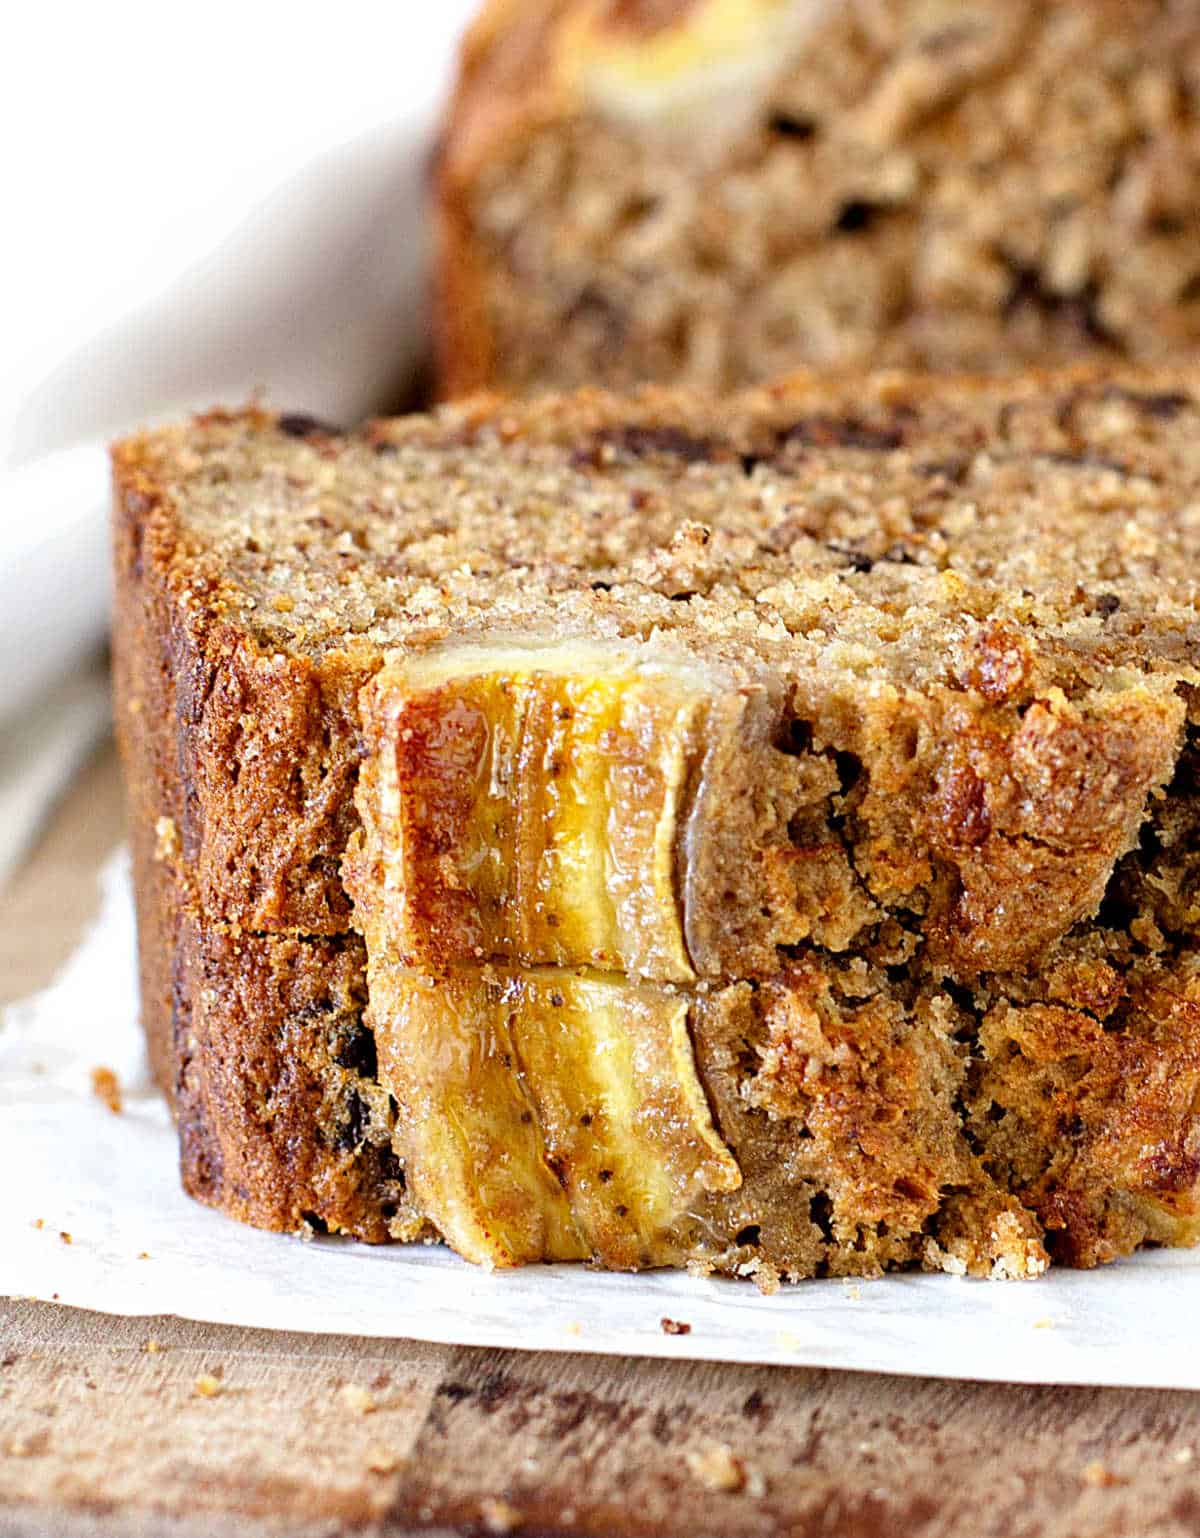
[(707, 192), (759, 836)]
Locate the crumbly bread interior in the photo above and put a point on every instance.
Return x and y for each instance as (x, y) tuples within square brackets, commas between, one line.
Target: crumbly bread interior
[(708, 194), (941, 996)]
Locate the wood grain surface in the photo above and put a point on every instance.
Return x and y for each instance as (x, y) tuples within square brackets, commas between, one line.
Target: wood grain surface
[(106, 1428)]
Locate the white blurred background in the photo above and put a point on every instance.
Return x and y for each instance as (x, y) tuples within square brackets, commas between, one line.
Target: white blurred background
[(199, 203)]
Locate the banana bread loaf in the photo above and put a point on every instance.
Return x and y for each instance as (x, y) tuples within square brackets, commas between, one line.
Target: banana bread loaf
[(708, 192), (756, 835)]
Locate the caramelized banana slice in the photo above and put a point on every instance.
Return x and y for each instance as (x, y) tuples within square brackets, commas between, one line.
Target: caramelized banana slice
[(475, 1158), (625, 1120), (549, 1114), (525, 802)]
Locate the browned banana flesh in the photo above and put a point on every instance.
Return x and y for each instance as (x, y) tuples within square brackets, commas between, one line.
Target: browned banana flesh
[(572, 804), (549, 1114)]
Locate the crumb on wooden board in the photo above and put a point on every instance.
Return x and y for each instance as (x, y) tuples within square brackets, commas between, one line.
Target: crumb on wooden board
[(499, 1516), (718, 1468)]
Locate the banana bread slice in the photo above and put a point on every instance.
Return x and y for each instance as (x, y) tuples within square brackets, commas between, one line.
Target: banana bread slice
[(707, 192), (755, 834)]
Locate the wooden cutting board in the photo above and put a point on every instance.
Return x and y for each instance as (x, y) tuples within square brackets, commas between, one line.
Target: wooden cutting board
[(160, 1426)]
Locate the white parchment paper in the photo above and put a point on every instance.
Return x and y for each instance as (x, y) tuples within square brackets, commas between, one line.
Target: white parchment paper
[(139, 1246)]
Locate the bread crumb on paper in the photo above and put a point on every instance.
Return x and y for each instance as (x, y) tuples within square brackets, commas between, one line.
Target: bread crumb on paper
[(674, 1326), (39, 1222), (65, 1236), (107, 1087)]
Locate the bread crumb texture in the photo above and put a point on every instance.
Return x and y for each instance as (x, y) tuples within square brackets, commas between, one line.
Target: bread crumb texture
[(710, 194), (107, 1088)]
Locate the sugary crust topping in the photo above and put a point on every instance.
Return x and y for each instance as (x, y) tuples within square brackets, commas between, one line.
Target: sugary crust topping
[(885, 527)]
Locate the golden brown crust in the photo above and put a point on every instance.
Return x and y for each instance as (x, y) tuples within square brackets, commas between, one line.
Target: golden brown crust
[(250, 755), (144, 716), (244, 1031), (281, 1122)]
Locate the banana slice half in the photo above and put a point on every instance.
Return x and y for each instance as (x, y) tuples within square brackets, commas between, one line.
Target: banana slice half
[(697, 82), (526, 803), (549, 1114)]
